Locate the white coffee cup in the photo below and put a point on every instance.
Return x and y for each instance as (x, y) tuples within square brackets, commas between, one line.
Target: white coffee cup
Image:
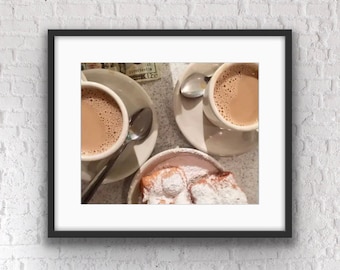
[(125, 121), (210, 108)]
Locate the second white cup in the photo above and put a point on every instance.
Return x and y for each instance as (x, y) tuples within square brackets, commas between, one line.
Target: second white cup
[(230, 100)]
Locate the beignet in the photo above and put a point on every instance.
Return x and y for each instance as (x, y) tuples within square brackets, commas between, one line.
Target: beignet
[(165, 186), (218, 188)]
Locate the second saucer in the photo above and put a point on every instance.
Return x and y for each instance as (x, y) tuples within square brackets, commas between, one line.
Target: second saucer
[(198, 130)]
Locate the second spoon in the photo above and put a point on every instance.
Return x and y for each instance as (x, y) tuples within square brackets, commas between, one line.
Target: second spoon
[(194, 85)]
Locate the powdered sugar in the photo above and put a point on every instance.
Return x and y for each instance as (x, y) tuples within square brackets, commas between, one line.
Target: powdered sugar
[(194, 172), (173, 185), (166, 186)]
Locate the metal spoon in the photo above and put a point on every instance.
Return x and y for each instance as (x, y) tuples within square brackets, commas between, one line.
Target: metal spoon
[(139, 129), (194, 85)]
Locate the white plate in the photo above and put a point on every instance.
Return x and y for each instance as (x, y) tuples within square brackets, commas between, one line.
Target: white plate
[(199, 131), (134, 98)]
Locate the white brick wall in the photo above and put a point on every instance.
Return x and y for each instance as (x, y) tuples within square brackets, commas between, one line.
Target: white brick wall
[(316, 132)]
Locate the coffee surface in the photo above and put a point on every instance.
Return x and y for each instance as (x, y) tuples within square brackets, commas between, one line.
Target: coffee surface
[(236, 94), (101, 121)]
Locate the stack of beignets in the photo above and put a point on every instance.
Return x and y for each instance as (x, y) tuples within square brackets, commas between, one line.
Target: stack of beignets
[(171, 186)]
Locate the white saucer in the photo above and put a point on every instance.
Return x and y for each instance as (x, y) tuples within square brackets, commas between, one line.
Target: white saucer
[(199, 131), (134, 98)]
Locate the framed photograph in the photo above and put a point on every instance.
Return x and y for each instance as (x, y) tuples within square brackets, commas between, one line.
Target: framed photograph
[(170, 133)]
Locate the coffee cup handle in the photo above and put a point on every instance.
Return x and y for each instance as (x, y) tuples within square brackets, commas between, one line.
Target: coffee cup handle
[(83, 77)]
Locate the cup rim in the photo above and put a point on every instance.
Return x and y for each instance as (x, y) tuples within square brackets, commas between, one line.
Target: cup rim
[(212, 82), (125, 126)]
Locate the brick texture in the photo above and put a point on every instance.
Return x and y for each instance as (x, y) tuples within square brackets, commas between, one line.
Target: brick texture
[(316, 132)]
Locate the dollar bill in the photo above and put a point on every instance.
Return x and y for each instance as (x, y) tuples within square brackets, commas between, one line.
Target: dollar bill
[(141, 72)]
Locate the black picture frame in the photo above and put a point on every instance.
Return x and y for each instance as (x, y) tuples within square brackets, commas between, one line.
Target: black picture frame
[(285, 233)]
